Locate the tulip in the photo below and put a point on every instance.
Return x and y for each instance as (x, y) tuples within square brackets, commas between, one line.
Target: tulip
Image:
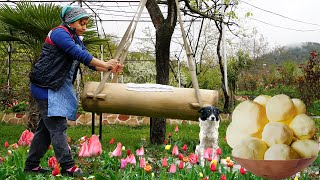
[(169, 134), (9, 152), (84, 150), (193, 159), (201, 175), (165, 141), (185, 147), (56, 170), (123, 148), (15, 146), (25, 138), (180, 156), (176, 129), (164, 162), (213, 167), (95, 148), (223, 177), (296, 178), (242, 171), (219, 151), (117, 151), (180, 165), (228, 159), (172, 168), (142, 163), (131, 159), (167, 147), (230, 164), (175, 150), (6, 144), (52, 162), (111, 141), (148, 168), (128, 152), (140, 152), (214, 161), (1, 159), (185, 159), (123, 163)]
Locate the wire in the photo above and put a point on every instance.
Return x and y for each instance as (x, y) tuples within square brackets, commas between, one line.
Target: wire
[(300, 30), (280, 15)]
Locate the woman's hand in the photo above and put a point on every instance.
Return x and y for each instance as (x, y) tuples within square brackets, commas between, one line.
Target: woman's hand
[(113, 65)]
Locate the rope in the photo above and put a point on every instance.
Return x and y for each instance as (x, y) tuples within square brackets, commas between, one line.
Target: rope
[(189, 56), (122, 49)]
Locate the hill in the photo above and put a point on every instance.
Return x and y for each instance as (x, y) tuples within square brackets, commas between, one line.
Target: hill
[(297, 52)]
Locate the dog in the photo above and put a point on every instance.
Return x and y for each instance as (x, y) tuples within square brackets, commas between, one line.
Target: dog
[(209, 121)]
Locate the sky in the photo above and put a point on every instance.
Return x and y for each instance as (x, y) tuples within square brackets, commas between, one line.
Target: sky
[(281, 22), (285, 21)]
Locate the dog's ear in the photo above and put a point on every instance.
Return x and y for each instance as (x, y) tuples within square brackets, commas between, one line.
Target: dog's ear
[(200, 110)]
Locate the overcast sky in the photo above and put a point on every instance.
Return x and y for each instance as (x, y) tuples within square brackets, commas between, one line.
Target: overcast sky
[(299, 20)]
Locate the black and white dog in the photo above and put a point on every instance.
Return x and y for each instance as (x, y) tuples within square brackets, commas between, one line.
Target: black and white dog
[(209, 121)]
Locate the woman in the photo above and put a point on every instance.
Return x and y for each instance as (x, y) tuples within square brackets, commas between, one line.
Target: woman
[(52, 86)]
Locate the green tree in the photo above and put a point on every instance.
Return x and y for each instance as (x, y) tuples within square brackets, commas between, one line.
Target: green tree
[(28, 24)]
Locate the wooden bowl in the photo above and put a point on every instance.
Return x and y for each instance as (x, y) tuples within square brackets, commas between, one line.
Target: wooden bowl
[(275, 169)]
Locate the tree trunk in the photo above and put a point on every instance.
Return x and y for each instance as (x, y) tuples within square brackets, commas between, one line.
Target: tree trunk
[(164, 30)]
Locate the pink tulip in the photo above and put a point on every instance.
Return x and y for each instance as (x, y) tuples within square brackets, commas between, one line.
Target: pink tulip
[(6, 144), (131, 159), (172, 168), (176, 129), (175, 150), (52, 162), (84, 150), (15, 146), (223, 177), (94, 145), (123, 163), (193, 159), (142, 163), (25, 138), (164, 162), (140, 152), (118, 150)]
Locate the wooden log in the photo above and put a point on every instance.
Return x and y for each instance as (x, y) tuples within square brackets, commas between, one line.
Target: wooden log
[(180, 103)]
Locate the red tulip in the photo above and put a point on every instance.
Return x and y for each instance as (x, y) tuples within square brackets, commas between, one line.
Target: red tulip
[(52, 162), (25, 138), (6, 144), (219, 151), (180, 165), (175, 150), (213, 167), (165, 141), (243, 171), (1, 160), (172, 168), (118, 150), (95, 148), (128, 152), (230, 164), (140, 152), (185, 147), (111, 141), (84, 150), (56, 170), (223, 177), (180, 156), (164, 162), (176, 129)]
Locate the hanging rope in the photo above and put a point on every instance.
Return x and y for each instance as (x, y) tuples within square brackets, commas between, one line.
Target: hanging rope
[(189, 56), (122, 49)]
